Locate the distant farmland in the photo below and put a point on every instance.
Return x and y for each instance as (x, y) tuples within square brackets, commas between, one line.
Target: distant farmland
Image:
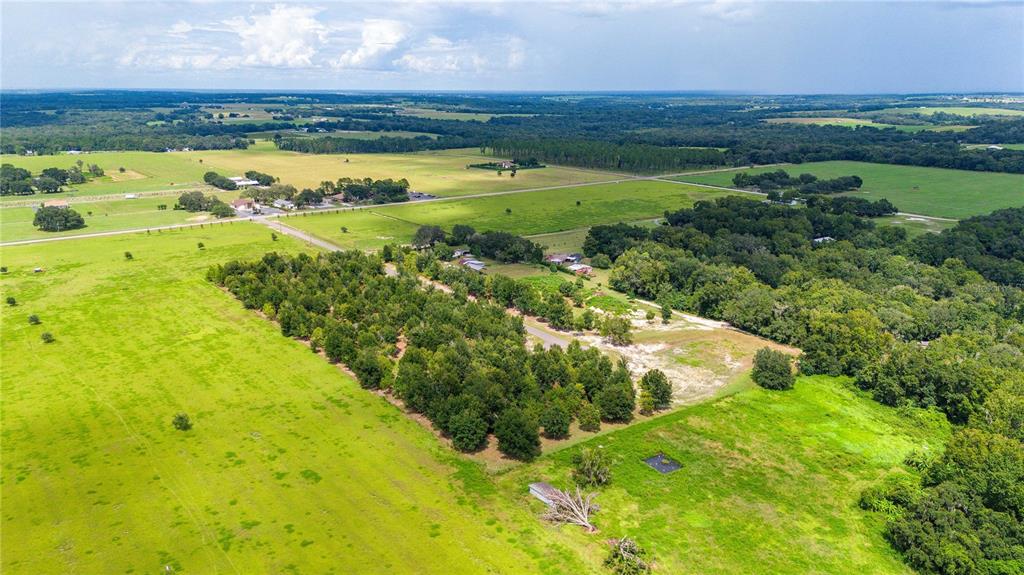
[(928, 191), (865, 122)]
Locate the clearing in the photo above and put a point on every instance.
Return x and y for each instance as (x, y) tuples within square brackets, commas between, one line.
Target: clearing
[(769, 482)]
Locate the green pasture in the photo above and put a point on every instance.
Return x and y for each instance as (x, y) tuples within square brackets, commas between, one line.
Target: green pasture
[(930, 191), (144, 172), (290, 468), (958, 110), (914, 225), (769, 482), (434, 114), (105, 216), (531, 212), (862, 122)]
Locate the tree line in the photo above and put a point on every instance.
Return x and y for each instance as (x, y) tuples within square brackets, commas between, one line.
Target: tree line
[(16, 181)]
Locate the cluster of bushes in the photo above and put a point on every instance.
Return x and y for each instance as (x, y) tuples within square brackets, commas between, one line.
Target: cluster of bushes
[(910, 333), (16, 181), (197, 202), (263, 179), (368, 190), (463, 363), (54, 219)]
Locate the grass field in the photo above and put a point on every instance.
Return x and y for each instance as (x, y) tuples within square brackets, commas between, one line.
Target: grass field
[(145, 172), (434, 114), (858, 122), (532, 212), (572, 240), (915, 226), (290, 468), (769, 482), (16, 223), (929, 191), (958, 110), (443, 174)]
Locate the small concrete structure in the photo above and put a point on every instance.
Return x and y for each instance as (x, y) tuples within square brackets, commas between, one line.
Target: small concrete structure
[(663, 464), (544, 492)]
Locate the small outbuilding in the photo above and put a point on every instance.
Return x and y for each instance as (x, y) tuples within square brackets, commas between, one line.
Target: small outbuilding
[(63, 204)]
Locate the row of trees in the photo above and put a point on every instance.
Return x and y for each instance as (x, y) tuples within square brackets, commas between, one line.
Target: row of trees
[(501, 246), (218, 181), (804, 183), (910, 333), (638, 158), (461, 362)]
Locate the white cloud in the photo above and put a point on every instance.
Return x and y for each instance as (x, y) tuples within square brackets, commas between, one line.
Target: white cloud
[(438, 55), (729, 10), (287, 36), (378, 39)]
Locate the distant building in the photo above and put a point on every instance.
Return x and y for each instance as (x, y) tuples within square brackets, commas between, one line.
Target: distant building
[(506, 165), (131, 196), (544, 491), (581, 269), (56, 204), (284, 205), (243, 204), (823, 240), (561, 259), (994, 147), (475, 265)]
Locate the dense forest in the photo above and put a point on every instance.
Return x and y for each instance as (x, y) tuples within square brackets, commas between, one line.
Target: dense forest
[(630, 132), (993, 245), (910, 333), (461, 361)]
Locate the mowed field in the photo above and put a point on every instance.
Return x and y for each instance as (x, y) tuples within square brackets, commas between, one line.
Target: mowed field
[(769, 482), (443, 174), (105, 216), (958, 110), (144, 172), (928, 191), (531, 212), (290, 468)]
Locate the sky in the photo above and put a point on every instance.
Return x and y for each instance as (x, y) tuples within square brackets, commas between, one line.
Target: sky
[(725, 45)]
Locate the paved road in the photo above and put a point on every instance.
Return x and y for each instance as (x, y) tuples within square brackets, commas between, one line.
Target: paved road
[(547, 338)]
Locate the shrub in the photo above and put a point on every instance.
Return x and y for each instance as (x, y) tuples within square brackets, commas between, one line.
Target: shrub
[(591, 468), (627, 558), (601, 261), (201, 246), (892, 496), (772, 369), (617, 401), (468, 430), (589, 417), (556, 419), (517, 434), (11, 301), (34, 319), (47, 337), (656, 384), (128, 256), (182, 422)]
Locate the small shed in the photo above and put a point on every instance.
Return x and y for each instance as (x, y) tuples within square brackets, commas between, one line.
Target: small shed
[(543, 491), (55, 204)]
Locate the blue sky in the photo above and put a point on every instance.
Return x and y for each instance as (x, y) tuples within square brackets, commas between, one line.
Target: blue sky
[(767, 47)]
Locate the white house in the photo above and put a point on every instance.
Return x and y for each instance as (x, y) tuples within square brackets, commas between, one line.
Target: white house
[(283, 204), (243, 182)]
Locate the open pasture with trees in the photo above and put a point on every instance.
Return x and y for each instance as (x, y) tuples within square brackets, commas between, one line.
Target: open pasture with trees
[(858, 122), (143, 172), (928, 191), (769, 481), (288, 465), (104, 216), (520, 213), (442, 174), (955, 110)]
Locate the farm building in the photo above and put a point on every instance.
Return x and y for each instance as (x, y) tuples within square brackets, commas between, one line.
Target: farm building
[(475, 265), (823, 240), (581, 269), (243, 182), (284, 205), (461, 254), (55, 204), (564, 258), (243, 204), (544, 492)]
